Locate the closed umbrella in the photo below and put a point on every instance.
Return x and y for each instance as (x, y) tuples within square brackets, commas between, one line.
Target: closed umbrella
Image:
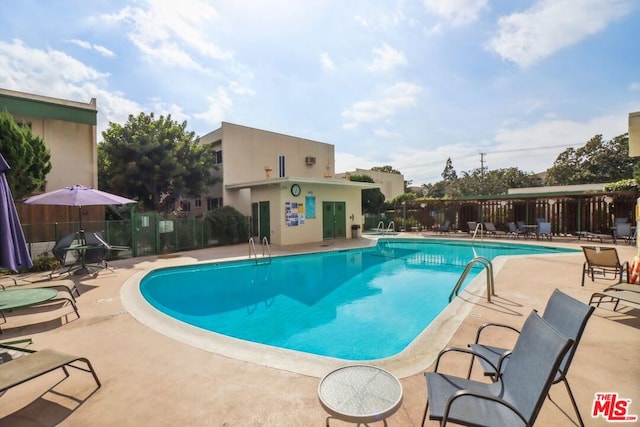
[(14, 253), (78, 195)]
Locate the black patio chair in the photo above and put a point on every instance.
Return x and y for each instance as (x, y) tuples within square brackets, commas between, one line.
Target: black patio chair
[(96, 254), (61, 253), (564, 313), (516, 397)]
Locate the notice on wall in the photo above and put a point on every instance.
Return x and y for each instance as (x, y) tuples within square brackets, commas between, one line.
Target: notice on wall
[(291, 214), (310, 206)]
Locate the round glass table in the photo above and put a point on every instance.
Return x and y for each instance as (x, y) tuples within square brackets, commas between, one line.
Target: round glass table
[(360, 394)]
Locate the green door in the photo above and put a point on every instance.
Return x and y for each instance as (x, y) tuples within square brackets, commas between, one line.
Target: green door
[(264, 221), (334, 220)]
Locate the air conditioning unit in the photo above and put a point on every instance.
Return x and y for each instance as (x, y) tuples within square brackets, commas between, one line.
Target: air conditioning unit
[(310, 160)]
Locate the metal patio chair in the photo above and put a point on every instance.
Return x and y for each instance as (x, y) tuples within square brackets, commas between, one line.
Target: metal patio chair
[(603, 261), (516, 397), (564, 313)]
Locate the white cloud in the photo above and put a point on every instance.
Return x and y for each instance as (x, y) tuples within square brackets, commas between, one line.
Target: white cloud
[(219, 105), (386, 58), (89, 46), (173, 33), (385, 133), (327, 62), (45, 72), (552, 25), (456, 12), (634, 86), (397, 97)]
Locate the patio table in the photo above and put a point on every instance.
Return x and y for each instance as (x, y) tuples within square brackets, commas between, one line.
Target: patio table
[(360, 394)]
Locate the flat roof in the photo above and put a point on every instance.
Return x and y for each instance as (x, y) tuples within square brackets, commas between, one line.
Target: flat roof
[(298, 180), (26, 104)]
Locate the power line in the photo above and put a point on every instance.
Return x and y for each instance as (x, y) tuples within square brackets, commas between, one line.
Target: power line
[(513, 150)]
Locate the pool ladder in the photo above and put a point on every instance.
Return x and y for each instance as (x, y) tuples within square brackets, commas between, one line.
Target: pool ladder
[(381, 230), (266, 252), (488, 267)]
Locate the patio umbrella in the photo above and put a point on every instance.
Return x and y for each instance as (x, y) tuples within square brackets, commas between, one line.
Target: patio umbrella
[(78, 195), (13, 246)]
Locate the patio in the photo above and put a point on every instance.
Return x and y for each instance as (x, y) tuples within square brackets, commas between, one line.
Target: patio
[(150, 379)]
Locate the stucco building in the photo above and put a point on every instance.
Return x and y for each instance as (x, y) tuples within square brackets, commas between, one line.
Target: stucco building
[(69, 130), (285, 183)]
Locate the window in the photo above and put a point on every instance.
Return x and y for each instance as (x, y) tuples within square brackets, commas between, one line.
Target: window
[(218, 157), (214, 202), (281, 168), (198, 202), (185, 205)]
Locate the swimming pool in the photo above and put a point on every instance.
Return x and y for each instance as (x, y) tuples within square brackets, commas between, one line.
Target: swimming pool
[(358, 304)]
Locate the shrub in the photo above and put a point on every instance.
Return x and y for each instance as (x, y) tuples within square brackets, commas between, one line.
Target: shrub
[(227, 225), (45, 262)]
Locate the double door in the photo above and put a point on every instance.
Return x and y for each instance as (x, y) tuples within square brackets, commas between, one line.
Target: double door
[(334, 220)]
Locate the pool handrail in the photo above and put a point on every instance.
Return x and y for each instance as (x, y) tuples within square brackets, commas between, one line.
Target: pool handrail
[(490, 283), (480, 227), (391, 227), (265, 244)]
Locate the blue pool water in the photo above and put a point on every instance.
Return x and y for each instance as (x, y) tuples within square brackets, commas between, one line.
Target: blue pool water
[(359, 304)]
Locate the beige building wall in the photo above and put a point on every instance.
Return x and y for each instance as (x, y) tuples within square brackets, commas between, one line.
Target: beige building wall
[(68, 129), (250, 174), (311, 229), (251, 155), (634, 134), (74, 155)]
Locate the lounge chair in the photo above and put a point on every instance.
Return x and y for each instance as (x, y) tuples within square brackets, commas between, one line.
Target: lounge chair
[(38, 363), (444, 228), (514, 231), (544, 230), (614, 297), (61, 251), (472, 226), (602, 260), (491, 229), (17, 297), (516, 397), (624, 232), (66, 285), (567, 315), (624, 287)]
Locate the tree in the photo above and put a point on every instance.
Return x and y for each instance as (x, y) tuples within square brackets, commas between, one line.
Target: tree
[(597, 161), (449, 173), (386, 169), (154, 160), (372, 198), (26, 154), (494, 182)]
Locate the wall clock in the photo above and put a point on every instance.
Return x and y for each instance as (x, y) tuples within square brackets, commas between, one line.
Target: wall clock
[(295, 190)]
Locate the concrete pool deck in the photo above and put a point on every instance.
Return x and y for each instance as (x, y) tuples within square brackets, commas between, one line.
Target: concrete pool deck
[(151, 379)]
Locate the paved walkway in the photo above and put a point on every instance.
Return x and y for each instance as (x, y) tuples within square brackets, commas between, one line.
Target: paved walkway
[(150, 379)]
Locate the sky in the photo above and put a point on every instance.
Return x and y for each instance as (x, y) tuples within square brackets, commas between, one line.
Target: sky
[(504, 83)]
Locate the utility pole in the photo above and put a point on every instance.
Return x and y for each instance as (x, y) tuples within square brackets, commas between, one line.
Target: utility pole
[(482, 163)]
